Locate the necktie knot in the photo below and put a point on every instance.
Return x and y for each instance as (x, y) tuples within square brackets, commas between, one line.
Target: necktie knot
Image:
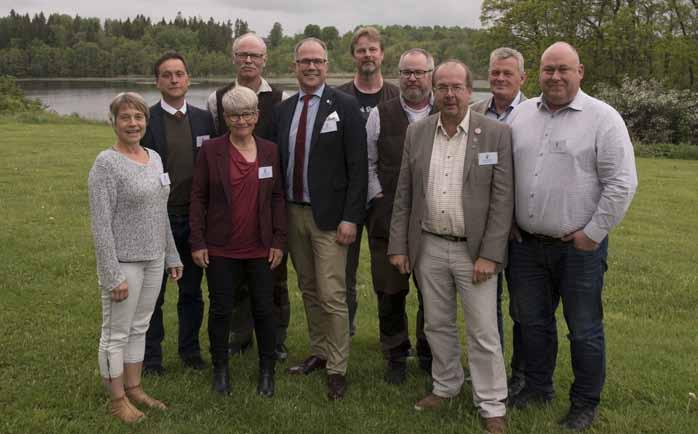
[(179, 115)]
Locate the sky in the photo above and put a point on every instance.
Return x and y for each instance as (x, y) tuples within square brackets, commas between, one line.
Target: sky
[(261, 14)]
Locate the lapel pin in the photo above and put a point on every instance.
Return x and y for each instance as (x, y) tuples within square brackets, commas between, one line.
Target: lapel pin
[(329, 102), (478, 130)]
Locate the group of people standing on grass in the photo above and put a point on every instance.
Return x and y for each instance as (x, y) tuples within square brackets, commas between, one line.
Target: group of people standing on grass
[(453, 194)]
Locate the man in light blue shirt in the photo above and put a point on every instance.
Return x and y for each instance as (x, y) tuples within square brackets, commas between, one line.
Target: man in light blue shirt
[(575, 177)]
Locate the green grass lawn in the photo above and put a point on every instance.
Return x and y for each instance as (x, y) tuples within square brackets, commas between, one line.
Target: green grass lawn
[(50, 318)]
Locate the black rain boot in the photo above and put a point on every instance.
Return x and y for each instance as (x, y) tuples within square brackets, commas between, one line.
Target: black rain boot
[(221, 379)]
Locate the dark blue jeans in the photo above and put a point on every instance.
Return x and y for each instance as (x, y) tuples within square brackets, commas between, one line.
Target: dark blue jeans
[(190, 305), (543, 272), (517, 360)]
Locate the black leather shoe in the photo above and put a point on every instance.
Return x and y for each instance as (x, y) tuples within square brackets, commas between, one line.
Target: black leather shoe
[(221, 380), (529, 397), (281, 353), (153, 370), (311, 364), (395, 373), (336, 386), (579, 418), (265, 385), (194, 362)]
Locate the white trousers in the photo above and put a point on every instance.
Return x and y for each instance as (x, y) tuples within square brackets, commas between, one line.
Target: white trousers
[(444, 271), (125, 323)]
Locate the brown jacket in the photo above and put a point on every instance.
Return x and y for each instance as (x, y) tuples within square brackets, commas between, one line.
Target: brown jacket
[(488, 190)]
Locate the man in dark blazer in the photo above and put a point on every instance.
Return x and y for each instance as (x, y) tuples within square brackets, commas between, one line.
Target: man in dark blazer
[(322, 143), (369, 89), (176, 130)]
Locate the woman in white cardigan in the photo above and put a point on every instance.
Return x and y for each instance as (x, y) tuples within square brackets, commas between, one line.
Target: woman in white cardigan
[(133, 244)]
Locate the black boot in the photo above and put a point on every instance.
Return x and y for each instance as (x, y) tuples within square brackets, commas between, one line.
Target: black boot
[(221, 379), (265, 386)]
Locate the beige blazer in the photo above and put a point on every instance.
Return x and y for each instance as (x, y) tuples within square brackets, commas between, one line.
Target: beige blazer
[(488, 190)]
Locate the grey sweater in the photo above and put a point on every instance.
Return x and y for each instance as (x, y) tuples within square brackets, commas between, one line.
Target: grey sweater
[(128, 207)]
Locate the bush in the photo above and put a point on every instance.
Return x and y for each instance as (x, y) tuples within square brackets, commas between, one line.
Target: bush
[(13, 100), (653, 113)]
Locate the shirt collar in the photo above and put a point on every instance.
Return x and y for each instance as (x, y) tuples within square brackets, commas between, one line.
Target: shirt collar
[(516, 101), (462, 126), (577, 103), (171, 110), (318, 92), (263, 86)]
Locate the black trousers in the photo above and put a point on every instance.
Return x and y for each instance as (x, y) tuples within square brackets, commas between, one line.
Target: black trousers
[(242, 324), (190, 304), (226, 278), (391, 289)]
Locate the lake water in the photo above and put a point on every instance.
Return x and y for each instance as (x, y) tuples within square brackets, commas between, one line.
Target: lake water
[(90, 99)]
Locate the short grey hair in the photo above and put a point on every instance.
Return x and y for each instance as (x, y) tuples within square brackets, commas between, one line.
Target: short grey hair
[(306, 40), (503, 53), (423, 52), (129, 99), (252, 35), (239, 99)]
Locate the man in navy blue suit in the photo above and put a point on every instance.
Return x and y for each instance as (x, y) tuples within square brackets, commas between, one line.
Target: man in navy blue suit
[(176, 130), (322, 141)]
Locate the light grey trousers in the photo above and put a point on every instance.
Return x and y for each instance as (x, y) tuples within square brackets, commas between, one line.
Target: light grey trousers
[(444, 271), (124, 323)]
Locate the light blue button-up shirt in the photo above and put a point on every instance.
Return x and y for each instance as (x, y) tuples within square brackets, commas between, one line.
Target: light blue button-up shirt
[(574, 168), (313, 107)]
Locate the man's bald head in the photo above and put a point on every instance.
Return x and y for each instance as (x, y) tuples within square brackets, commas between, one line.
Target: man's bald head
[(561, 74)]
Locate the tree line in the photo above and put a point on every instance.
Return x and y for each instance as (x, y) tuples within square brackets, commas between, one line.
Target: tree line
[(65, 46), (618, 40)]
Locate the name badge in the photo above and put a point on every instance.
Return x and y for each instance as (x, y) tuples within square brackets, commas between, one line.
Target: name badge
[(165, 179), (200, 140), (329, 126), (265, 172), (487, 158)]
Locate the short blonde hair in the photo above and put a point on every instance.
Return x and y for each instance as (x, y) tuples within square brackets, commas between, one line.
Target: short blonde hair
[(129, 99), (238, 99)]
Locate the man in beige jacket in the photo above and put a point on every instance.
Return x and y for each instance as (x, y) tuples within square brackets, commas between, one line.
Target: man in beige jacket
[(451, 219)]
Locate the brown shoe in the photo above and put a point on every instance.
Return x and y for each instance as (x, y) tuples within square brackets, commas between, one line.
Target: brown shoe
[(311, 364), (430, 402), (137, 395), (123, 410), (495, 425), (336, 386)]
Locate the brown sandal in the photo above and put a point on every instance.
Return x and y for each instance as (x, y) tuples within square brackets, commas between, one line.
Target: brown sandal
[(137, 395), (123, 410)]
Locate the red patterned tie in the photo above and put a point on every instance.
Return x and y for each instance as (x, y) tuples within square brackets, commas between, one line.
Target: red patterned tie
[(299, 152)]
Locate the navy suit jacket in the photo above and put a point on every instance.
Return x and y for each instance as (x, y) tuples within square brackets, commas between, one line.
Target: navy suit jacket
[(200, 121), (337, 164)]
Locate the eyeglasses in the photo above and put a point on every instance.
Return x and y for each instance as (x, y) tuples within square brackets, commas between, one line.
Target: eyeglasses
[(243, 55), (307, 62), (458, 88), (418, 73), (245, 116)]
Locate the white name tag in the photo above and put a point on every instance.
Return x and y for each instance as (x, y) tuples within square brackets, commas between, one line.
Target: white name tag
[(200, 140), (165, 179), (329, 126), (487, 158), (265, 172)]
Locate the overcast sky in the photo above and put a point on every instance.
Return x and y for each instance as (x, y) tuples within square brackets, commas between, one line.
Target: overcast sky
[(261, 14)]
